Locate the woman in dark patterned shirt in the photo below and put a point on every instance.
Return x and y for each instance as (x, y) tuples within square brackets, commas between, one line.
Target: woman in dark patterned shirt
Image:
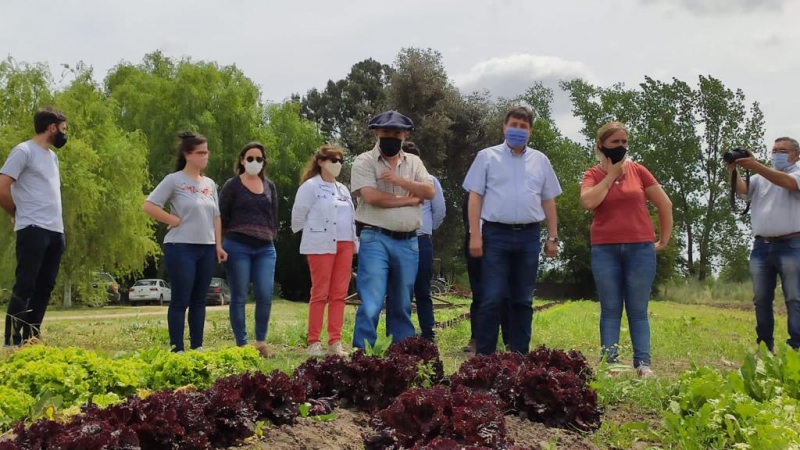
[(248, 206)]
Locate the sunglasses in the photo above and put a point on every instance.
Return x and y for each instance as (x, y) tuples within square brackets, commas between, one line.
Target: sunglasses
[(255, 158), (336, 160)]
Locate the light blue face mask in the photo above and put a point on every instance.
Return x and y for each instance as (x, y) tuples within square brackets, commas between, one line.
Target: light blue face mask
[(780, 161), (516, 137)]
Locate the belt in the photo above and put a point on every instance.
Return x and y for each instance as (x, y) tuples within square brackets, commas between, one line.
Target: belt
[(399, 235), (512, 226), (785, 237)]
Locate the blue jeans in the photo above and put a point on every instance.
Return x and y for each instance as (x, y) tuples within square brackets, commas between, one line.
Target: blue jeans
[(422, 287), (475, 274), (769, 260), (250, 264), (509, 269), (385, 266), (189, 269), (624, 274)]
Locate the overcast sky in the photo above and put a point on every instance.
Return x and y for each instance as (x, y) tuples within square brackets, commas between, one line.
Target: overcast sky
[(500, 45)]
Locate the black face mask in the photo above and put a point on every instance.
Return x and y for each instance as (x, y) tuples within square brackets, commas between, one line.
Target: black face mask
[(390, 146), (60, 139), (614, 154)]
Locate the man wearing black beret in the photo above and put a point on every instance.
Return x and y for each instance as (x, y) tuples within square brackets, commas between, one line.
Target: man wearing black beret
[(389, 186)]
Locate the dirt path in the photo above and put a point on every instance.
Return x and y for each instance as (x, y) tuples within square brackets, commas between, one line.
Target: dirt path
[(161, 312)]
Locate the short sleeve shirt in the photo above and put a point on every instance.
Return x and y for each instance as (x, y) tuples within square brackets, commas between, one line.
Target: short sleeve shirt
[(513, 186), (622, 217), (195, 202), (36, 190), (366, 172)]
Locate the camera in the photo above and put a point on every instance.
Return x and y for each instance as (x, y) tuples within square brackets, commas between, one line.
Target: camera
[(732, 155)]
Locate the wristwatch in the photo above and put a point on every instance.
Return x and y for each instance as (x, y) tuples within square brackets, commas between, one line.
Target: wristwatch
[(553, 239)]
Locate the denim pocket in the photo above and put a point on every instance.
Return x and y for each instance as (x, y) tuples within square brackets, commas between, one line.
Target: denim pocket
[(794, 243), (414, 244), (368, 236)]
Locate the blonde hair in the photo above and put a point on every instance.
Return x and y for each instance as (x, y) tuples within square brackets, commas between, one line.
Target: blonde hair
[(313, 168), (604, 133)]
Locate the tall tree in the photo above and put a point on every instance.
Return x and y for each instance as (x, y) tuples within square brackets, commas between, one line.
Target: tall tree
[(344, 107), (102, 172)]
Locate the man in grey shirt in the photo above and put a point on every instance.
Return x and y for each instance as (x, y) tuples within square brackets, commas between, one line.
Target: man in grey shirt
[(775, 218), (30, 192)]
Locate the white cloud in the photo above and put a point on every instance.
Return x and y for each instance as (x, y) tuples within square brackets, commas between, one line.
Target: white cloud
[(713, 7), (511, 75)]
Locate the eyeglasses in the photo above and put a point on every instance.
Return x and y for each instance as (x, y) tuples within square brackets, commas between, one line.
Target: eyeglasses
[(336, 160), (258, 159)]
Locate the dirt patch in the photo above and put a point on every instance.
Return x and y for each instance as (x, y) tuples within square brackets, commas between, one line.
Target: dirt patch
[(344, 432), (347, 430), (537, 436)]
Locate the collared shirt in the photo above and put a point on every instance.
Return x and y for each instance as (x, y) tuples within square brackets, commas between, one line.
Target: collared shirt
[(774, 210), (513, 186), (366, 172), (433, 211)]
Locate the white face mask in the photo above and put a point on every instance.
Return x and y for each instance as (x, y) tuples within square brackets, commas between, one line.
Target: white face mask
[(333, 168), (253, 168)]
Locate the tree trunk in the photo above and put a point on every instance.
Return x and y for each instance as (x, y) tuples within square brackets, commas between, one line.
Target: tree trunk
[(67, 294)]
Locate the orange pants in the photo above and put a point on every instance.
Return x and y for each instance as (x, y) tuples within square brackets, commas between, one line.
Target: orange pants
[(330, 277)]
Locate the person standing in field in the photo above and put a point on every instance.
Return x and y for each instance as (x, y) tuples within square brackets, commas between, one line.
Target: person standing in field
[(193, 244), (389, 186), (623, 241), (512, 190), (30, 192), (248, 205), (433, 214), (323, 210)]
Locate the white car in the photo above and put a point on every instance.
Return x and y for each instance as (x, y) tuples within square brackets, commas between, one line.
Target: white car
[(150, 290)]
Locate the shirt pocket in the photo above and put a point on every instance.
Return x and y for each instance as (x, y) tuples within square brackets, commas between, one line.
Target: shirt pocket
[(534, 183), (317, 225)]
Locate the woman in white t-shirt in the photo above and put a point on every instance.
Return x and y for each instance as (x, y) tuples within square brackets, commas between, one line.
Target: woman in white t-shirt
[(323, 209)]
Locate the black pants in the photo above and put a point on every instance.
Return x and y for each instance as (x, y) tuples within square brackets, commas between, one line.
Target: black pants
[(38, 258)]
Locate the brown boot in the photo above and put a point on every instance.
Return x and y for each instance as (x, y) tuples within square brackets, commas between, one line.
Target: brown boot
[(263, 349)]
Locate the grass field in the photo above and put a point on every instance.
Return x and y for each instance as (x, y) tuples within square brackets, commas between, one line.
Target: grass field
[(701, 327)]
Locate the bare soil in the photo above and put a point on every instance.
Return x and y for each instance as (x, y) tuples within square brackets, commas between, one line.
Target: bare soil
[(347, 430)]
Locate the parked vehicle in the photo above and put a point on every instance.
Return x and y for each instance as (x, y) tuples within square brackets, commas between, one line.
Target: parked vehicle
[(219, 293), (150, 291)]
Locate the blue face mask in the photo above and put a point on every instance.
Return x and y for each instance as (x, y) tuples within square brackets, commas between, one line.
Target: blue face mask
[(516, 137), (780, 161)]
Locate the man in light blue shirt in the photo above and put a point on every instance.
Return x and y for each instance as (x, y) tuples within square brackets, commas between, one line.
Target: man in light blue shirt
[(433, 213), (512, 189)]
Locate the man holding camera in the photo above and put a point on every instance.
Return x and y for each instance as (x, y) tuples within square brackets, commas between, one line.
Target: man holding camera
[(774, 194)]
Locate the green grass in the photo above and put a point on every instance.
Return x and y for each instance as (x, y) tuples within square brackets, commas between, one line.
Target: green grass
[(682, 334)]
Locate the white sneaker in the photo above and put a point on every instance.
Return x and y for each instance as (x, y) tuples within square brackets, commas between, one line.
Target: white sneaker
[(337, 349), (644, 371), (315, 350)]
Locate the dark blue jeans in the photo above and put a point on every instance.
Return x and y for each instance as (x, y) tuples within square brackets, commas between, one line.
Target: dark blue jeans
[(769, 260), (250, 264), (510, 266), (475, 274), (624, 274), (422, 287), (38, 258), (387, 268), (190, 268)]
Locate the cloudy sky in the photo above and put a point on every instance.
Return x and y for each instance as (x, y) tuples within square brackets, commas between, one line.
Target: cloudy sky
[(500, 45)]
